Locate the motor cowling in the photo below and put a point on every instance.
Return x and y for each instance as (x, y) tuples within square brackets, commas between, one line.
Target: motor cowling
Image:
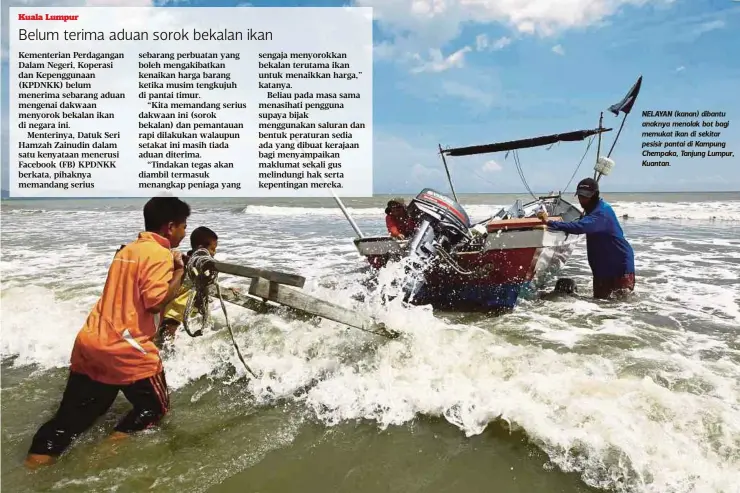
[(442, 223)]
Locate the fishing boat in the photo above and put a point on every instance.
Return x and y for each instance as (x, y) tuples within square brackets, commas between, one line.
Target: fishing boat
[(508, 255), (489, 265)]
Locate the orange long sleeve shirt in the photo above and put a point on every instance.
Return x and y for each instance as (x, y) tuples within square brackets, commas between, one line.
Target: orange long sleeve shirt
[(115, 346), (399, 226)]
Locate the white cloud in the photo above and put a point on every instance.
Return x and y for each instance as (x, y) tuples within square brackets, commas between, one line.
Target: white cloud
[(491, 166), (402, 166), (501, 43), (479, 90), (470, 93), (680, 69), (433, 23), (679, 30), (482, 43), (422, 174), (438, 63), (558, 49), (706, 27), (384, 51)]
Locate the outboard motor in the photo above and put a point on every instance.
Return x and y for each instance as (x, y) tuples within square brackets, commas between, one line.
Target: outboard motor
[(442, 223)]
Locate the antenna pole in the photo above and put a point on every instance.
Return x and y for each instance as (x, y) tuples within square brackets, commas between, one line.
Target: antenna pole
[(598, 148), (617, 137), (449, 180)]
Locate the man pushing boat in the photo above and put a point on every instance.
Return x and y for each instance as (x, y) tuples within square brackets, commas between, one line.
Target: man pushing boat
[(114, 351), (610, 255)]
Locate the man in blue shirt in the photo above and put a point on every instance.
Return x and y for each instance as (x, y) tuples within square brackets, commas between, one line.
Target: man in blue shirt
[(610, 255)]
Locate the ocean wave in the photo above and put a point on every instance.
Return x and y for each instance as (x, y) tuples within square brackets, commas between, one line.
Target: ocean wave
[(618, 428), (690, 211), (639, 398), (720, 211)]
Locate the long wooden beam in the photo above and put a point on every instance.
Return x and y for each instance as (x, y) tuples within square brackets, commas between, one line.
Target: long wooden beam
[(306, 303), (257, 304), (252, 272)]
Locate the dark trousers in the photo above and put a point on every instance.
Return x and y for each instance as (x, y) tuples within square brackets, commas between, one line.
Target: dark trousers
[(613, 286), (85, 400)]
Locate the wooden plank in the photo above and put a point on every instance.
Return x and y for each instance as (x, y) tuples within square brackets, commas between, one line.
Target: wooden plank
[(521, 223), (311, 305), (252, 272), (257, 304)]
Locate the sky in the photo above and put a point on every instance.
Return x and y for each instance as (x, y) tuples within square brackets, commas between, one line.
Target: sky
[(464, 72)]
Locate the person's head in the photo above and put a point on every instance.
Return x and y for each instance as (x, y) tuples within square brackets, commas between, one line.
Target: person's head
[(167, 216), (566, 286), (588, 193), (396, 207), (202, 237)]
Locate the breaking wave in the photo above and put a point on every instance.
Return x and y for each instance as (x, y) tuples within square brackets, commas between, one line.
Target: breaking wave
[(689, 211), (640, 398)]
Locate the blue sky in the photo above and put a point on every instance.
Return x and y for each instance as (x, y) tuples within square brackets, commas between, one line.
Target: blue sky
[(462, 73)]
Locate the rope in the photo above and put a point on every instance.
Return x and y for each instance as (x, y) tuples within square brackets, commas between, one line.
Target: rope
[(203, 310), (201, 274), (385, 332), (590, 141), (231, 333), (521, 174)]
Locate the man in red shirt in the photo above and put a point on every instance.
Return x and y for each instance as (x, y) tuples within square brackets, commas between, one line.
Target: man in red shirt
[(398, 221), (114, 351)]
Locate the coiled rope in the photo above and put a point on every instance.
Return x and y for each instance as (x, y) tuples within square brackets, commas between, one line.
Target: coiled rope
[(201, 274)]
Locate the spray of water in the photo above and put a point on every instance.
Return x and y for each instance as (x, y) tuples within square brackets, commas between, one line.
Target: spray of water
[(400, 279)]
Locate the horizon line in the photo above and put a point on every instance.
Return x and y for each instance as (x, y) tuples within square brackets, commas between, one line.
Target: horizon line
[(6, 198)]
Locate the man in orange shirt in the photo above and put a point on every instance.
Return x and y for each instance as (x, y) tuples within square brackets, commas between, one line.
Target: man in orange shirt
[(114, 351)]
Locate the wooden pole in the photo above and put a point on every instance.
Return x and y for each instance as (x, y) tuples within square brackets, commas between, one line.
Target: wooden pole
[(258, 305), (617, 137), (447, 170), (274, 286), (306, 303), (347, 215), (598, 147), (252, 272)]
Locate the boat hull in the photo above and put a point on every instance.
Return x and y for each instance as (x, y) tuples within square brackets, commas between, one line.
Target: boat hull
[(506, 277), (508, 266)]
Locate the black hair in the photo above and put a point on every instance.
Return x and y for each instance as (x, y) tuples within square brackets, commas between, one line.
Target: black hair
[(393, 203), (159, 211), (201, 237)]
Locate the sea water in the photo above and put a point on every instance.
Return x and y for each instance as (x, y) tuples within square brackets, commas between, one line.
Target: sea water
[(568, 395)]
